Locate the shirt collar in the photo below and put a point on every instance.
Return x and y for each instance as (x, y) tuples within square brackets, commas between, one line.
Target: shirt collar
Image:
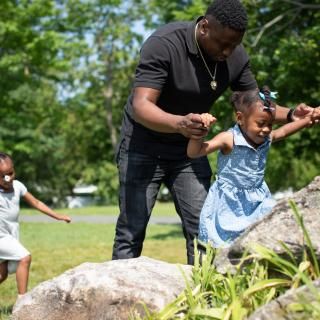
[(191, 44), (240, 140)]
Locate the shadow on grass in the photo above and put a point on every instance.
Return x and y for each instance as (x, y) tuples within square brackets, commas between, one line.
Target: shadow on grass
[(177, 233), (5, 312)]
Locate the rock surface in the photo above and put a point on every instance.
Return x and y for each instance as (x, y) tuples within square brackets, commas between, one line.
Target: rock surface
[(104, 291), (280, 309)]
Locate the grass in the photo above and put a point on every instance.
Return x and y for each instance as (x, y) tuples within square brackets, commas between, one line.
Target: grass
[(57, 247), (160, 209)]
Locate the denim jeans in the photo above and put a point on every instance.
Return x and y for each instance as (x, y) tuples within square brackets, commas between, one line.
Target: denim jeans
[(140, 178)]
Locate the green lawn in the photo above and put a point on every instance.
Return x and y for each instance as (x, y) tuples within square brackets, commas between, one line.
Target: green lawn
[(160, 209), (57, 247)]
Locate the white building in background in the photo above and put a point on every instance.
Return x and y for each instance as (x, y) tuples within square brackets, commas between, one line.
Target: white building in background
[(83, 195)]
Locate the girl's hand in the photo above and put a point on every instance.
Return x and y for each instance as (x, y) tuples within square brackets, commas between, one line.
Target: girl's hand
[(65, 218), (191, 126), (207, 120), (315, 117)]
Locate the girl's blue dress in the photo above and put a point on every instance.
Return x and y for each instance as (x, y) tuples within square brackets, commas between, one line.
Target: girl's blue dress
[(239, 196)]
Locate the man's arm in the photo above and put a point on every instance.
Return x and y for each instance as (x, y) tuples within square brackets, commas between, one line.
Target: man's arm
[(284, 114), (147, 113)]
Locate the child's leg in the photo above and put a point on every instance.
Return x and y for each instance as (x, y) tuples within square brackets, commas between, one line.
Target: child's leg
[(3, 271), (22, 274)]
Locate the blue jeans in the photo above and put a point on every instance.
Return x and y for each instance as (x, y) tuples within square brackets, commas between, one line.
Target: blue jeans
[(140, 178)]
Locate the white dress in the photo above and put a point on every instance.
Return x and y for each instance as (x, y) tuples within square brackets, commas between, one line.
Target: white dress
[(11, 249)]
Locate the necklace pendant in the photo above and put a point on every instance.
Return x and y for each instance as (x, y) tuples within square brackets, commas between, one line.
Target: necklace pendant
[(214, 85)]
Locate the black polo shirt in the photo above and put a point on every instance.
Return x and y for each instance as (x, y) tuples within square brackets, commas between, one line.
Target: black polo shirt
[(169, 62)]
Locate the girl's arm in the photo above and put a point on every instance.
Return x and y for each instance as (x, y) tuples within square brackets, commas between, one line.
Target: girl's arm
[(222, 141), (289, 129), (37, 204)]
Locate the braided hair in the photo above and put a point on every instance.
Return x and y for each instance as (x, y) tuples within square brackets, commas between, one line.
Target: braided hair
[(266, 96), (230, 13)]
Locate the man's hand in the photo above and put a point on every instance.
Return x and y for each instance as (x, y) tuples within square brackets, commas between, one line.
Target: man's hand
[(192, 126), (303, 111)]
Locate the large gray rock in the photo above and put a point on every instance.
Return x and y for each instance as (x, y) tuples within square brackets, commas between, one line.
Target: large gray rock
[(279, 225), (104, 291), (279, 309)]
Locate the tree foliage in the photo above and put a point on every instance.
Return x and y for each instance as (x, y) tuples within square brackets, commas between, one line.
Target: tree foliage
[(283, 42), (67, 67)]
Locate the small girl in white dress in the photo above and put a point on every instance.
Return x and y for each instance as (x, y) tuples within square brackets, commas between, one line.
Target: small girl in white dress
[(14, 257)]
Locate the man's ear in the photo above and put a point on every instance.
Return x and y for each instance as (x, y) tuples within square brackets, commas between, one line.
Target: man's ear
[(204, 26), (239, 118)]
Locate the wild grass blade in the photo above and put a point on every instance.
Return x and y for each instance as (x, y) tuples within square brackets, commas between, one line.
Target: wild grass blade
[(264, 284), (299, 219), (289, 252), (285, 267), (170, 310), (212, 313)]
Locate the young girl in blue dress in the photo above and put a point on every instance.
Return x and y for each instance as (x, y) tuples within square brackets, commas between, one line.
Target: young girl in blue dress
[(239, 197), (14, 257)]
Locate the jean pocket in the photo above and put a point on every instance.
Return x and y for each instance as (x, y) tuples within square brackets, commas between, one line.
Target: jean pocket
[(121, 147)]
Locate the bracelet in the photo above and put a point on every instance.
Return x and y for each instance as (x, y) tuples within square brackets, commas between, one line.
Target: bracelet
[(290, 115)]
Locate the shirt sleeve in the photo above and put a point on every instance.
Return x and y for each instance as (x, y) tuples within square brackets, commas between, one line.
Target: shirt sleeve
[(21, 187), (153, 68)]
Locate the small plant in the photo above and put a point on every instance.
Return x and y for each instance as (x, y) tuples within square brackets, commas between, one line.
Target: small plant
[(5, 312)]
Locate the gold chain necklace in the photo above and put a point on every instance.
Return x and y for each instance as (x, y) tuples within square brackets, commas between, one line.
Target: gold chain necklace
[(213, 83)]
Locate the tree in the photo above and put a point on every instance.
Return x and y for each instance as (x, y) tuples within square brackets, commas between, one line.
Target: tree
[(31, 65), (65, 70), (106, 74)]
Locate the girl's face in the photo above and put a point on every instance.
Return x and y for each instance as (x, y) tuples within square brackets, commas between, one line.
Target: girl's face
[(7, 175), (256, 123)]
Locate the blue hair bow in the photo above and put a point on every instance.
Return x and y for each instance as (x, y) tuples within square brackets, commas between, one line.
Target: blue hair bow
[(273, 95), (266, 102)]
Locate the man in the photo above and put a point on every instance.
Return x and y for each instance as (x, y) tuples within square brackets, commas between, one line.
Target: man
[(184, 68)]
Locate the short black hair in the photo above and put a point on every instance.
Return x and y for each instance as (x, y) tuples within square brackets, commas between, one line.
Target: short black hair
[(230, 13)]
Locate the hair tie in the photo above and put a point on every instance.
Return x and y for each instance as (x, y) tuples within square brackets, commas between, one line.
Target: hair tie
[(266, 101)]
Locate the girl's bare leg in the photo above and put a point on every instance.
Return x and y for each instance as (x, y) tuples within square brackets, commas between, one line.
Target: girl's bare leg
[(22, 274), (3, 271)]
